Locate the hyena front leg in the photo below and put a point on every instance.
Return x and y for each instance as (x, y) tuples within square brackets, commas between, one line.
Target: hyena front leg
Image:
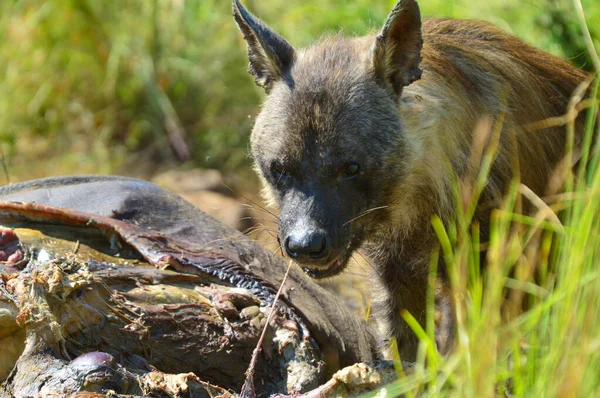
[(411, 297)]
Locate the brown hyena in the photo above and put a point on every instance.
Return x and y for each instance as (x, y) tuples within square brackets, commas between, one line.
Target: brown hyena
[(360, 140)]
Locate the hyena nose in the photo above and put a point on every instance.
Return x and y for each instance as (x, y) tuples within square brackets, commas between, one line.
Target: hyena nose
[(313, 245)]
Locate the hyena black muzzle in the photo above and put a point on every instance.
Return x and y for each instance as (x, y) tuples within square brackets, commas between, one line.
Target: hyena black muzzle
[(315, 221)]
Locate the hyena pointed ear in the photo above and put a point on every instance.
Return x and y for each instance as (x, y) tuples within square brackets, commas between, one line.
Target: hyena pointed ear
[(271, 56), (396, 54)]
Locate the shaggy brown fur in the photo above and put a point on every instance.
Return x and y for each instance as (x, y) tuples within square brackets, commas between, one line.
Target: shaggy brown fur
[(360, 141)]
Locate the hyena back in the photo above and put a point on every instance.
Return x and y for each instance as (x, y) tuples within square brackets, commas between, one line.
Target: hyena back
[(360, 139)]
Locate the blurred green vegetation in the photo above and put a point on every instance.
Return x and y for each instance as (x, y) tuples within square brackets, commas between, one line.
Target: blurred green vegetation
[(128, 86)]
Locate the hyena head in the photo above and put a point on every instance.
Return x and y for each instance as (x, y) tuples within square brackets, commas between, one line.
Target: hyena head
[(329, 143)]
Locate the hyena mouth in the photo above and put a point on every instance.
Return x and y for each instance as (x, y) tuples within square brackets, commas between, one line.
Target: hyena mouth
[(333, 269), (338, 265)]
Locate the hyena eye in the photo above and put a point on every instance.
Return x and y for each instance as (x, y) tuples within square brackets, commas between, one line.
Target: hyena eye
[(351, 170)]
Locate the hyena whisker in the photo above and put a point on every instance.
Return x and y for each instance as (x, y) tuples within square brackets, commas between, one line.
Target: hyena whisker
[(252, 229), (261, 230), (366, 261), (366, 212), (262, 220), (257, 225), (225, 239), (272, 233), (269, 242), (272, 216), (256, 205), (243, 233), (253, 207), (258, 236), (233, 191), (358, 269)]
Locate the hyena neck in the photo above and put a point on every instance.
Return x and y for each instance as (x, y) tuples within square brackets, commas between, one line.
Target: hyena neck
[(401, 254), (400, 243)]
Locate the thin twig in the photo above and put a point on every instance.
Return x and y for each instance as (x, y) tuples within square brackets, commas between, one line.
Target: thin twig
[(544, 211), (76, 249), (248, 387)]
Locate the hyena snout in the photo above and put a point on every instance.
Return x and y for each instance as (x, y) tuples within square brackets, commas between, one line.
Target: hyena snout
[(308, 245)]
